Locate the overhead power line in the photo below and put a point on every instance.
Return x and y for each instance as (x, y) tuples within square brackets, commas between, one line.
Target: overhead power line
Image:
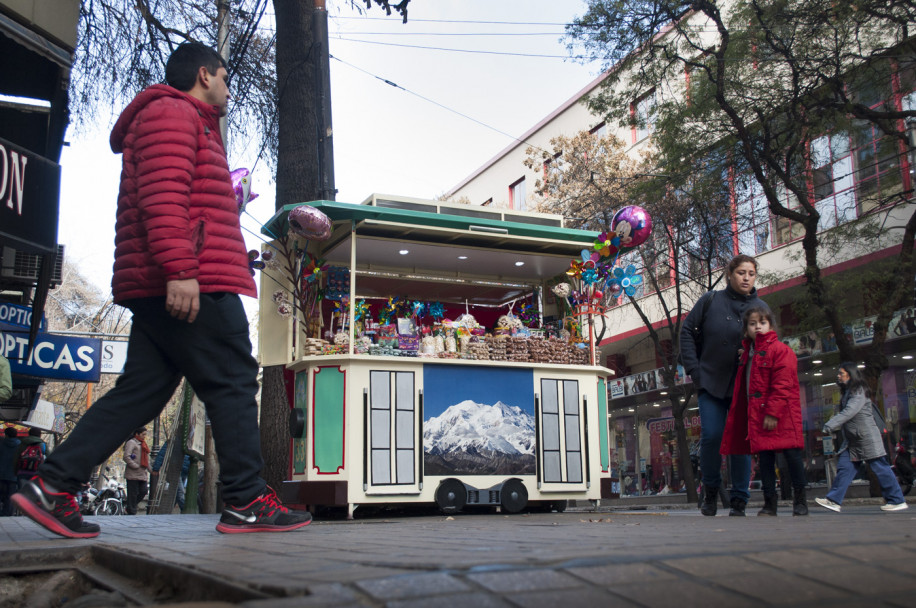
[(436, 103), (476, 52)]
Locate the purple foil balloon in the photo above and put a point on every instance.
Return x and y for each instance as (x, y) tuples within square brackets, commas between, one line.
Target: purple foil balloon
[(241, 184), (633, 225), (309, 222)]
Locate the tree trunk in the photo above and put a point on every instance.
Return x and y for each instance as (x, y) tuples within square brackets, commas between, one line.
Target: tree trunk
[(297, 181), (275, 439)]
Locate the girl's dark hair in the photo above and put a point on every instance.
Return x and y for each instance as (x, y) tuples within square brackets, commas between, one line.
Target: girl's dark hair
[(185, 61), (760, 311), (856, 379), (738, 260)]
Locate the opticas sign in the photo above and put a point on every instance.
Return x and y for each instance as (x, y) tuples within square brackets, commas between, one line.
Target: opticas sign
[(58, 357)]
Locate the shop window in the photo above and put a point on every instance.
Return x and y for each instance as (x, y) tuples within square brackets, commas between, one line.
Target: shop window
[(517, 196)]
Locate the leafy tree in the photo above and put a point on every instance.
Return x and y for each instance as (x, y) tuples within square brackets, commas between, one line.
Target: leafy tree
[(588, 179), (759, 91)]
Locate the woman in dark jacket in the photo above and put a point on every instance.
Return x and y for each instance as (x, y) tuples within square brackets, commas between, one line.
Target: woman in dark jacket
[(861, 442), (710, 340)]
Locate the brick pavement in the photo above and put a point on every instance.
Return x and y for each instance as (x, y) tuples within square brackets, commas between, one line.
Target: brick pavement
[(861, 557)]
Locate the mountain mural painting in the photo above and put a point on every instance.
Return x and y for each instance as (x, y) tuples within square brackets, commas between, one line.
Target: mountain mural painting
[(478, 421), (477, 439)]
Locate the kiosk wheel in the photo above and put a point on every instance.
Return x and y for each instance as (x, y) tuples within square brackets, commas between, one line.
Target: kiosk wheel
[(513, 497), (451, 495)]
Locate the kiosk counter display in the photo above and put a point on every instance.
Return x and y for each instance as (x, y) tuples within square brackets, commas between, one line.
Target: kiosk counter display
[(432, 360)]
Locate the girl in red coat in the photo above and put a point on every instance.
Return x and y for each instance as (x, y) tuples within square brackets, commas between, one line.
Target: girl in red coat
[(765, 416)]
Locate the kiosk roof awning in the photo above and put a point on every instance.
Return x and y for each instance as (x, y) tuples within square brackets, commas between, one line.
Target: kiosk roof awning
[(444, 228)]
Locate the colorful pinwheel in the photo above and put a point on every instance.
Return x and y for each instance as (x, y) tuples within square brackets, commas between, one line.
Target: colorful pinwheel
[(625, 280), (436, 310), (311, 273), (417, 308), (607, 244)]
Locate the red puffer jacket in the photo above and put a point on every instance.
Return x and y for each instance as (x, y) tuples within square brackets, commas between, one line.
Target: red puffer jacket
[(177, 213), (774, 391)]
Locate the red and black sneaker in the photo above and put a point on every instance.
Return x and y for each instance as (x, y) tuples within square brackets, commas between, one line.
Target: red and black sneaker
[(56, 511), (263, 514)]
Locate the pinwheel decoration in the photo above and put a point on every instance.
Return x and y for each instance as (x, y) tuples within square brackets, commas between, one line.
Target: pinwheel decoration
[(361, 310), (241, 184), (436, 310), (607, 244), (417, 308), (311, 272), (625, 280)]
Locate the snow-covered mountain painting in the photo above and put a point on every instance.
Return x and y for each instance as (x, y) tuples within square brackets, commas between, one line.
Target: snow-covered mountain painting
[(483, 425)]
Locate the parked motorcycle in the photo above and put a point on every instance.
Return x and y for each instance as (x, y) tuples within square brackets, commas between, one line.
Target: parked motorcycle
[(112, 498), (88, 500)]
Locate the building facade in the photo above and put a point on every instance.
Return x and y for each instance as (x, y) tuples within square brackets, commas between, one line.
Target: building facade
[(855, 168)]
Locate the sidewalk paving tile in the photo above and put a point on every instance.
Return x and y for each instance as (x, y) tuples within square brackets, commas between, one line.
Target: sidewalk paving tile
[(683, 594), (713, 566), (852, 578), (413, 585), (613, 574), (781, 588), (570, 598), (470, 600), (523, 580)]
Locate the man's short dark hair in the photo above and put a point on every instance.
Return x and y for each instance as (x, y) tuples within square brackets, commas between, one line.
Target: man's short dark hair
[(10, 432), (184, 62)]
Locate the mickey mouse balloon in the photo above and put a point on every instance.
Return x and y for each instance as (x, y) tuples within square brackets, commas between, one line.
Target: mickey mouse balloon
[(309, 222), (633, 225)]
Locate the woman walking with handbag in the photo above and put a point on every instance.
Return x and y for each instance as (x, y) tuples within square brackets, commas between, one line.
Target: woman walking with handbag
[(861, 442)]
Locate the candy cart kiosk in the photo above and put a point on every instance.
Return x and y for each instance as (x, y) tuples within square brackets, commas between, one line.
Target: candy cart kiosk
[(424, 369)]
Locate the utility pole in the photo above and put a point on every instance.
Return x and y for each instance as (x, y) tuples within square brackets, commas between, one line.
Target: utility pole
[(326, 188)]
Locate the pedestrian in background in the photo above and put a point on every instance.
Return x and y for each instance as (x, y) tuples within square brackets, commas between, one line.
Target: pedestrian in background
[(710, 340), (861, 442), (9, 483), (765, 416), (30, 454), (136, 457), (180, 266)]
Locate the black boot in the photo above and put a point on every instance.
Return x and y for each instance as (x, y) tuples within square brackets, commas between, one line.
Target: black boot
[(710, 496), (799, 504), (769, 505), (737, 509)]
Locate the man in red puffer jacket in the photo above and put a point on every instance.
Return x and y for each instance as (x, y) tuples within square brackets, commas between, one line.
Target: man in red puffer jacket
[(180, 267)]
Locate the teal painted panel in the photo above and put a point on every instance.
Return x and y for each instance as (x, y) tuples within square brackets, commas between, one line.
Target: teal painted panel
[(602, 426), (328, 423)]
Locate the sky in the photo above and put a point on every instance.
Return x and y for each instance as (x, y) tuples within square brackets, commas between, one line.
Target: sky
[(453, 111)]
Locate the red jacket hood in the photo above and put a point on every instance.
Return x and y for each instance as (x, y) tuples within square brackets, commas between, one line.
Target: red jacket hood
[(157, 91)]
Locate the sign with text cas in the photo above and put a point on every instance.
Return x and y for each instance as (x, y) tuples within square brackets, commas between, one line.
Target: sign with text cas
[(58, 357), (30, 191)]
